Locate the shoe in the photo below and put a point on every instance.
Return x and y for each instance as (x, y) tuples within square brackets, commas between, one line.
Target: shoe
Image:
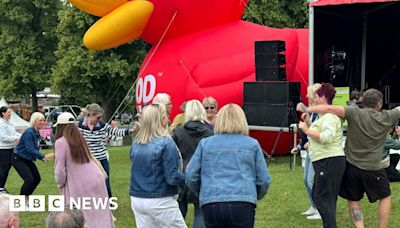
[(314, 216), (3, 190), (310, 211)]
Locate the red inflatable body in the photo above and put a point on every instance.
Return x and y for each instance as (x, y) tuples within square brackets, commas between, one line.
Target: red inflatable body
[(209, 51), (200, 48)]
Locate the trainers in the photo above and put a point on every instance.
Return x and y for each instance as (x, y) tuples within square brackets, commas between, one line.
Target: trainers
[(314, 216), (310, 211)]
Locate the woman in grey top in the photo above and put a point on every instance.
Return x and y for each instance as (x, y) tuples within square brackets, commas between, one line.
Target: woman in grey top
[(8, 139)]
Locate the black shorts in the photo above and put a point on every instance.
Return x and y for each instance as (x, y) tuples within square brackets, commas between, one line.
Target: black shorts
[(357, 181)]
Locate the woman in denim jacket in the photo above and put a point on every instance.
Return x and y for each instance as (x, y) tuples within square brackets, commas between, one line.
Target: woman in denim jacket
[(228, 171), (26, 152), (156, 171)]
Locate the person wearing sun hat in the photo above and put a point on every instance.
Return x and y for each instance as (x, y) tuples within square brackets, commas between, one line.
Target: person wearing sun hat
[(72, 159)]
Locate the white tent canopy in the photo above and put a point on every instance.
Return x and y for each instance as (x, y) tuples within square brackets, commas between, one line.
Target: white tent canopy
[(17, 121)]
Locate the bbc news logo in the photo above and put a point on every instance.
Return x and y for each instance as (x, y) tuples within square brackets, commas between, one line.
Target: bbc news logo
[(37, 203)]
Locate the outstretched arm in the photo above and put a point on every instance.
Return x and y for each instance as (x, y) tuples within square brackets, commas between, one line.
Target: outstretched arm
[(334, 109)]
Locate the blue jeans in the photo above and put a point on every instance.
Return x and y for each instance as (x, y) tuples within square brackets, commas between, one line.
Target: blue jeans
[(229, 215), (198, 214), (309, 178), (106, 167)]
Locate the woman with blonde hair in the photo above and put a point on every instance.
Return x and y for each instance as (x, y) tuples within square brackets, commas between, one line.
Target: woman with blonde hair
[(26, 152), (155, 172), (327, 157), (187, 137), (72, 159), (311, 212), (232, 171), (211, 107)]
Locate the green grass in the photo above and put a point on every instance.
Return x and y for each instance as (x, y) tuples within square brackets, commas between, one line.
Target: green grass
[(281, 207)]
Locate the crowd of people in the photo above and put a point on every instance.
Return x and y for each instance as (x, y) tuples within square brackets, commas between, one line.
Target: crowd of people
[(358, 169), (205, 157)]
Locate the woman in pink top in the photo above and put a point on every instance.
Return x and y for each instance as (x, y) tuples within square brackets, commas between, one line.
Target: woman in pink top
[(77, 175)]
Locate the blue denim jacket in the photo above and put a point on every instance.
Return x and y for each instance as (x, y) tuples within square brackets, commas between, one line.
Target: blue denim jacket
[(28, 146), (156, 168), (226, 168)]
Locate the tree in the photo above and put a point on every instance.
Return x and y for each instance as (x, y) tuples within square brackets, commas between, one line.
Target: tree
[(27, 44), (83, 76), (278, 13)]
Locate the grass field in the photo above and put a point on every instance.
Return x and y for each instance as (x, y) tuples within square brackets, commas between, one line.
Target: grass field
[(281, 207)]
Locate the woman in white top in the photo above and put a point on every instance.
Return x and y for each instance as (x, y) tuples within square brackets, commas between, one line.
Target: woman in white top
[(8, 139)]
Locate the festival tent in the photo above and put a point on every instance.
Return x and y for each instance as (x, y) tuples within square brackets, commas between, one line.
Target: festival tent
[(16, 120), (355, 43)]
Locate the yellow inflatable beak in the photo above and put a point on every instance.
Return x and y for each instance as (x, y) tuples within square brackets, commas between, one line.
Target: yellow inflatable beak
[(97, 7), (122, 25)]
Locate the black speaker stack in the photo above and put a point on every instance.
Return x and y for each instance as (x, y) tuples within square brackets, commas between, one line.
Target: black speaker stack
[(270, 60), (271, 100)]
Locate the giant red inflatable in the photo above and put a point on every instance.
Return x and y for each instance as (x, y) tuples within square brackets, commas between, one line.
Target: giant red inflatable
[(203, 48)]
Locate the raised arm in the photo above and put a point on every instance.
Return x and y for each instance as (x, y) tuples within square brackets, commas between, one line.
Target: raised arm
[(334, 109)]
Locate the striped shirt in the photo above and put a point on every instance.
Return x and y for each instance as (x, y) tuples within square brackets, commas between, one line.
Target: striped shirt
[(96, 138)]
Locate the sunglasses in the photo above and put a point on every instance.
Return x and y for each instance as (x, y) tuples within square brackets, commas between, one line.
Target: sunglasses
[(98, 117), (209, 108)]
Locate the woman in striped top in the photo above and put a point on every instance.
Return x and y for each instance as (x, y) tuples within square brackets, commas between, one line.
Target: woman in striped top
[(95, 131)]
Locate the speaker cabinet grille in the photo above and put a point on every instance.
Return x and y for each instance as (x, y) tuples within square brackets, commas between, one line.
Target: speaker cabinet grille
[(270, 60), (270, 115), (269, 47), (270, 74), (272, 92)]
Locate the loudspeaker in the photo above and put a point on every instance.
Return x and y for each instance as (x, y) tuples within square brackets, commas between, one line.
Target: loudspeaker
[(270, 74), (270, 60), (269, 47), (287, 93), (270, 115)]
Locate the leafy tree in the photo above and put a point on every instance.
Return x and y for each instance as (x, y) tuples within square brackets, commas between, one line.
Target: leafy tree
[(83, 76), (278, 13), (27, 44)]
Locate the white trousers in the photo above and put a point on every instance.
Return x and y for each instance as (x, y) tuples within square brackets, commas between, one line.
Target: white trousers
[(151, 212)]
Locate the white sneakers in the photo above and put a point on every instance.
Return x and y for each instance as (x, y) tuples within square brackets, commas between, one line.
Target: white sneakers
[(312, 213), (314, 216), (312, 210)]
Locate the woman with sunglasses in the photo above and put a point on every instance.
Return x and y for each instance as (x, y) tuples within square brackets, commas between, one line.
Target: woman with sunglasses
[(155, 172), (95, 131), (211, 107)]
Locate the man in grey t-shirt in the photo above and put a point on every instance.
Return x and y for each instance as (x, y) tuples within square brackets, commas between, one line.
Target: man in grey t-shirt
[(364, 145)]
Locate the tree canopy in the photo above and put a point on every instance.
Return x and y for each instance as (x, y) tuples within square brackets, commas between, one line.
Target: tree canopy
[(27, 44), (83, 76)]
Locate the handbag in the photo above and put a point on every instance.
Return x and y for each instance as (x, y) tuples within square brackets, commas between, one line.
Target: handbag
[(97, 162)]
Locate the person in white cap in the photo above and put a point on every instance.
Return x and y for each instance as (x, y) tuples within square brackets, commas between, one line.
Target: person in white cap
[(72, 159)]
